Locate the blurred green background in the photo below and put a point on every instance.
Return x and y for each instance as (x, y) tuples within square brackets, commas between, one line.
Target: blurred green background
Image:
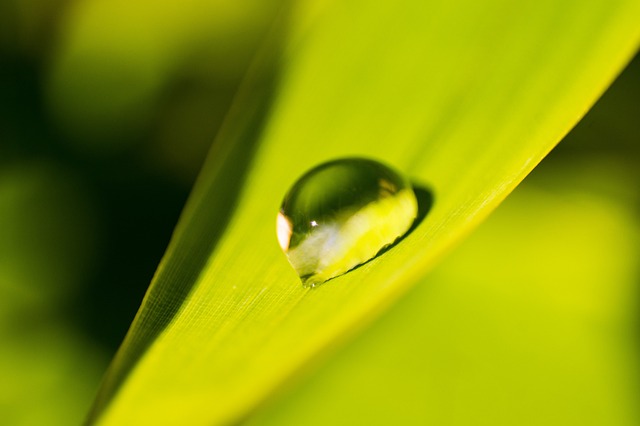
[(107, 110)]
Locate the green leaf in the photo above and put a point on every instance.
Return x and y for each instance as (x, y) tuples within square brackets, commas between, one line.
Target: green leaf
[(544, 334), (464, 97)]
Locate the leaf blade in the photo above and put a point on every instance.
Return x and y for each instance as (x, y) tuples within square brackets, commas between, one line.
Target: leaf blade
[(247, 324)]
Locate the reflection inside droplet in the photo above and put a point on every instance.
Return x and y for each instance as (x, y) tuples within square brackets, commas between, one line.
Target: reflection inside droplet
[(342, 214)]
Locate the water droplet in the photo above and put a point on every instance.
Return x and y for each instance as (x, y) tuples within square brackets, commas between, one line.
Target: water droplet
[(342, 214)]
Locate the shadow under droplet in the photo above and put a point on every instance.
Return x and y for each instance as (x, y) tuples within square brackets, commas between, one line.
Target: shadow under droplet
[(425, 203)]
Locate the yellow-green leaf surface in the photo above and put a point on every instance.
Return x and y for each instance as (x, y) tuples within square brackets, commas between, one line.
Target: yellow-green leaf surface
[(464, 97), (544, 334)]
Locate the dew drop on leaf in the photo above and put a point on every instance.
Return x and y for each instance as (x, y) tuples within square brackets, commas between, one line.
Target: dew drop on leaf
[(341, 214)]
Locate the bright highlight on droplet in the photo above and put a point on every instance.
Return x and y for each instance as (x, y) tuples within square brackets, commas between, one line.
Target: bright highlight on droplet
[(342, 214)]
